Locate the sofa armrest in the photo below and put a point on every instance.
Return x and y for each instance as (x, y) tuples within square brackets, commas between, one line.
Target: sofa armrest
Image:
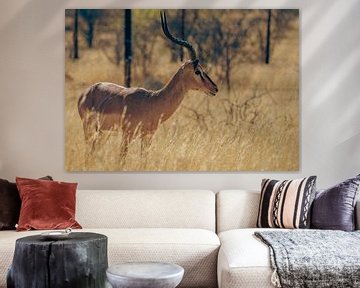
[(357, 215)]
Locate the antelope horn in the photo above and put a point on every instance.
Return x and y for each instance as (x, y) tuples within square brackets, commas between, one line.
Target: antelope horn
[(178, 41)]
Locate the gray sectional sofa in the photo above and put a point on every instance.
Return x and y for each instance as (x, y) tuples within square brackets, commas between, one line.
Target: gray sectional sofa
[(209, 234)]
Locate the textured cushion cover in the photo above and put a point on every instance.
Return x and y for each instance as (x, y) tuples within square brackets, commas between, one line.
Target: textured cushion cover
[(334, 208), (46, 204), (194, 249), (10, 204), (286, 204), (236, 209), (153, 209)]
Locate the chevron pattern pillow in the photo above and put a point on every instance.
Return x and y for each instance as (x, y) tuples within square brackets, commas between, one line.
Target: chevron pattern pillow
[(286, 204)]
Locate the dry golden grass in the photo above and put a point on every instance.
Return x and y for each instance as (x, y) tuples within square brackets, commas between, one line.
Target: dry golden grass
[(254, 127)]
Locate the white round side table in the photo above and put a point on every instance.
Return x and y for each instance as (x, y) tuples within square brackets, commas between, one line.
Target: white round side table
[(145, 275)]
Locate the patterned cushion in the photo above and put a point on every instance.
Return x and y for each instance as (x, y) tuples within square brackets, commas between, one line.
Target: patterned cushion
[(286, 204)]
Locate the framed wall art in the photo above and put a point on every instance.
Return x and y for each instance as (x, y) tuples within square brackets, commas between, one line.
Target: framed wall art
[(181, 90)]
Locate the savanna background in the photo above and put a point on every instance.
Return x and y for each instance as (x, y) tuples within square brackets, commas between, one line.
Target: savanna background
[(253, 57)]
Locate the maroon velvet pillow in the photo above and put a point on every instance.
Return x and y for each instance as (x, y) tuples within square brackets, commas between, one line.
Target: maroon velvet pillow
[(46, 204), (10, 204)]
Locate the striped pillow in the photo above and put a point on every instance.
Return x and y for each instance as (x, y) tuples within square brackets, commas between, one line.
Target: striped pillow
[(286, 204)]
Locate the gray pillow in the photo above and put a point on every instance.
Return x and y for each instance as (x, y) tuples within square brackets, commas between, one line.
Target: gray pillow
[(334, 208)]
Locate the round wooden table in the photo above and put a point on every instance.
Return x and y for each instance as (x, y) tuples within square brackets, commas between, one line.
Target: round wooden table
[(78, 261), (145, 275)]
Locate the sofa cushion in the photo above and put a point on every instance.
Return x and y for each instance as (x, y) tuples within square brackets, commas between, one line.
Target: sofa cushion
[(244, 261), (334, 208), (194, 249), (286, 204), (46, 204), (10, 204), (146, 209)]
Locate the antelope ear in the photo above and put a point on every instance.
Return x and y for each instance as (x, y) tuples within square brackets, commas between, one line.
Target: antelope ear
[(195, 63)]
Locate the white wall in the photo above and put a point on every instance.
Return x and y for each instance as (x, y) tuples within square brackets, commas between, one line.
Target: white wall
[(32, 94)]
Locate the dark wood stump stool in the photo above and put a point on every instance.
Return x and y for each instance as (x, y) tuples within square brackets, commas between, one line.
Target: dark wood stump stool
[(79, 261)]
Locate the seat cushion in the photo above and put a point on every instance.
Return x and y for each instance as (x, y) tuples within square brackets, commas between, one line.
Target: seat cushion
[(196, 250), (244, 261)]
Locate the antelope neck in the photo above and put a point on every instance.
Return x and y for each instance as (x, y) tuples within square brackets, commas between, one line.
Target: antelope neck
[(171, 95)]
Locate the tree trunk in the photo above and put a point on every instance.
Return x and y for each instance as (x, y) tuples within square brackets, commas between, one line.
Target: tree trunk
[(75, 54), (268, 35), (79, 261), (183, 11), (90, 34), (128, 52)]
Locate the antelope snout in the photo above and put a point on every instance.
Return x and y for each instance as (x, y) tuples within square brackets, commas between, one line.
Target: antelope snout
[(214, 90)]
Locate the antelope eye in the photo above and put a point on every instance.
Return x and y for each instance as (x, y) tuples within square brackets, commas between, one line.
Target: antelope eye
[(197, 72)]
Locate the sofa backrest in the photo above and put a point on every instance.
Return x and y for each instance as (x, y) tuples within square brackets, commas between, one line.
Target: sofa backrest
[(146, 209), (236, 209), (239, 209)]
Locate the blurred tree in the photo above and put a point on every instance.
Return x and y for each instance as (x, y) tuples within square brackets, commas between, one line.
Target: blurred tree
[(270, 26), (220, 40), (75, 50), (257, 33), (128, 51), (110, 34), (118, 49), (282, 19), (90, 16), (183, 11), (145, 21), (268, 36), (232, 39), (117, 23)]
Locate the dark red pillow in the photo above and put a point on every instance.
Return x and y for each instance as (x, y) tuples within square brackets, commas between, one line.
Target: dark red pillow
[(46, 204), (10, 204)]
